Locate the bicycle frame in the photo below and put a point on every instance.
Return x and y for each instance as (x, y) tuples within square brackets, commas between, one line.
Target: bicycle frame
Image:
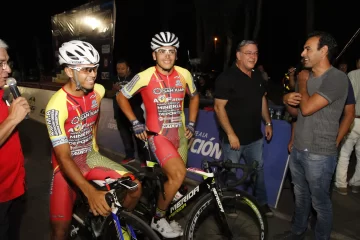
[(206, 186), (115, 207), (114, 210)]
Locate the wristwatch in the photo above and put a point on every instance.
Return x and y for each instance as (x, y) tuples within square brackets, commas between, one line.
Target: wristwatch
[(268, 124)]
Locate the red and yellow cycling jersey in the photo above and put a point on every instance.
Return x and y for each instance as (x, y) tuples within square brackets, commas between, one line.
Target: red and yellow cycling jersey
[(163, 97), (72, 120)]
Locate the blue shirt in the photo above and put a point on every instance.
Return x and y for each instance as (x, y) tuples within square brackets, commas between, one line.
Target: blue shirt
[(351, 97)]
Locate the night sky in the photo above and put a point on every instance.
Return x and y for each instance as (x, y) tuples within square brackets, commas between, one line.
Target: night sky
[(282, 32)]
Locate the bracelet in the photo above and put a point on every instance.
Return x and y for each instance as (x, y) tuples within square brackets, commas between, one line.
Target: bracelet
[(268, 124)]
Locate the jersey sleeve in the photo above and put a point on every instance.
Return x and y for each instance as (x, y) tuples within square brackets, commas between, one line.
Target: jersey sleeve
[(55, 116), (190, 85), (100, 90), (138, 82)]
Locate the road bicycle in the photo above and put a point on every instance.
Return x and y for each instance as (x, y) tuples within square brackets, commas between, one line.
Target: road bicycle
[(121, 224), (218, 211)]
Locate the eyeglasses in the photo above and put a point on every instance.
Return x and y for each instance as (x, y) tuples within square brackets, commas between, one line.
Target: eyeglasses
[(4, 65), (164, 51), (248, 54), (85, 69)]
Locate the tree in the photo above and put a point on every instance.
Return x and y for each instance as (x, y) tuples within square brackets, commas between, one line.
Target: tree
[(310, 12), (258, 20)]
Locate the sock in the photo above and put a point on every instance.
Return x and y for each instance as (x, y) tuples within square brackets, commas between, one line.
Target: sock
[(159, 214)]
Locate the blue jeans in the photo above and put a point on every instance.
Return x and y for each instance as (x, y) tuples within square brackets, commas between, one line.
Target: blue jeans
[(311, 175), (251, 152)]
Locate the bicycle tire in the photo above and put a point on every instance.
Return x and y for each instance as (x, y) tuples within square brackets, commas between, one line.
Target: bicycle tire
[(143, 230), (244, 203)]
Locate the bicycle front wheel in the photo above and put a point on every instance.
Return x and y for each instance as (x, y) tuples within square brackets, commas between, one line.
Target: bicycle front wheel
[(244, 217), (141, 229)]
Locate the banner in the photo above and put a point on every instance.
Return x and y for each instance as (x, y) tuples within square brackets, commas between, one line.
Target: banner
[(93, 22), (206, 145), (38, 99)]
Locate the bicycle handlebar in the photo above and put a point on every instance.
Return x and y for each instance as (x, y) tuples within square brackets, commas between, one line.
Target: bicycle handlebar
[(117, 187), (247, 170)]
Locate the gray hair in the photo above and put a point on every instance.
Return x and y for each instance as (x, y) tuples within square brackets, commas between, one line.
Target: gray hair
[(244, 43), (3, 44)]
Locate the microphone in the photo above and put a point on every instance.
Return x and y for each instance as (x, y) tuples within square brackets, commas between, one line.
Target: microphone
[(11, 82)]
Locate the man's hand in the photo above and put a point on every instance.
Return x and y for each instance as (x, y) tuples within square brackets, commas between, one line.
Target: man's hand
[(139, 129), (97, 202), (291, 71), (18, 109), (292, 99), (190, 130), (234, 142), (290, 145), (303, 77), (268, 132), (116, 87)]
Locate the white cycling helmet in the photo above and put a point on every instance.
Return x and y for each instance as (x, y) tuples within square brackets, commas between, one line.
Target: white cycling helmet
[(164, 39), (78, 52)]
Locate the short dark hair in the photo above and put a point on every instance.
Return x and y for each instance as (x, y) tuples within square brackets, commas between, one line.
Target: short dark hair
[(326, 39), (122, 60), (244, 43)]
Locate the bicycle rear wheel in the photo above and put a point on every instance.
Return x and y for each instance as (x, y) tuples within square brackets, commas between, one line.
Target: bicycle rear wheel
[(142, 230), (242, 212)]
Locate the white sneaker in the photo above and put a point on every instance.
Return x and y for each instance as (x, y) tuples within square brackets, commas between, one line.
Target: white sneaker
[(177, 227), (163, 227)]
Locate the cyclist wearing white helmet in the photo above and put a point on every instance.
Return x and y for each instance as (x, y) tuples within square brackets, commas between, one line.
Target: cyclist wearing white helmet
[(71, 117), (80, 57), (163, 89)]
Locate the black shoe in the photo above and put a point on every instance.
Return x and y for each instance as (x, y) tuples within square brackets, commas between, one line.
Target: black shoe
[(266, 209), (288, 235)]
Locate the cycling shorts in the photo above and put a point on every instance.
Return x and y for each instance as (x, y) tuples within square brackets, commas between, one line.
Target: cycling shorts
[(163, 149), (63, 193)]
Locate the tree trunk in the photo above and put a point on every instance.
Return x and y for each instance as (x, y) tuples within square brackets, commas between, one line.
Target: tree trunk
[(247, 21), (199, 35), (229, 43), (258, 20), (309, 16)]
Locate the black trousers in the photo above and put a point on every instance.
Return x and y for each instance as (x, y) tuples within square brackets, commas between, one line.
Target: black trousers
[(127, 136), (11, 213)]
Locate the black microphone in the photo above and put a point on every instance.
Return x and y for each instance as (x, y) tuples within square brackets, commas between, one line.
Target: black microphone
[(11, 82)]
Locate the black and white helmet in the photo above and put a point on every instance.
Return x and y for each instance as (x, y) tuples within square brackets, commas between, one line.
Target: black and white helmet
[(164, 39), (78, 52)]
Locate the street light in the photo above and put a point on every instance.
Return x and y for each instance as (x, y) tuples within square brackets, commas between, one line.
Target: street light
[(215, 40)]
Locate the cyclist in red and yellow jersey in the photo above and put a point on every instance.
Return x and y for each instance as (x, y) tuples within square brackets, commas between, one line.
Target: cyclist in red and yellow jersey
[(71, 117), (163, 88)]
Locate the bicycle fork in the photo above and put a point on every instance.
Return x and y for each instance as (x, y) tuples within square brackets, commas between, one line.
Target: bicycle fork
[(115, 206), (221, 212)]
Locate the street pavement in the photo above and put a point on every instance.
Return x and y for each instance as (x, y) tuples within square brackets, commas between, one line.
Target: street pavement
[(35, 224)]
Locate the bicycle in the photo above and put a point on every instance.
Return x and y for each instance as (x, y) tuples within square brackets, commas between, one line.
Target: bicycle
[(213, 203), (121, 224)]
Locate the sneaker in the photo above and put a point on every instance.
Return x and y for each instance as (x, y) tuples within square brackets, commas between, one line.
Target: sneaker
[(267, 210), (127, 160), (288, 235), (177, 227), (340, 190), (355, 189), (163, 227)]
